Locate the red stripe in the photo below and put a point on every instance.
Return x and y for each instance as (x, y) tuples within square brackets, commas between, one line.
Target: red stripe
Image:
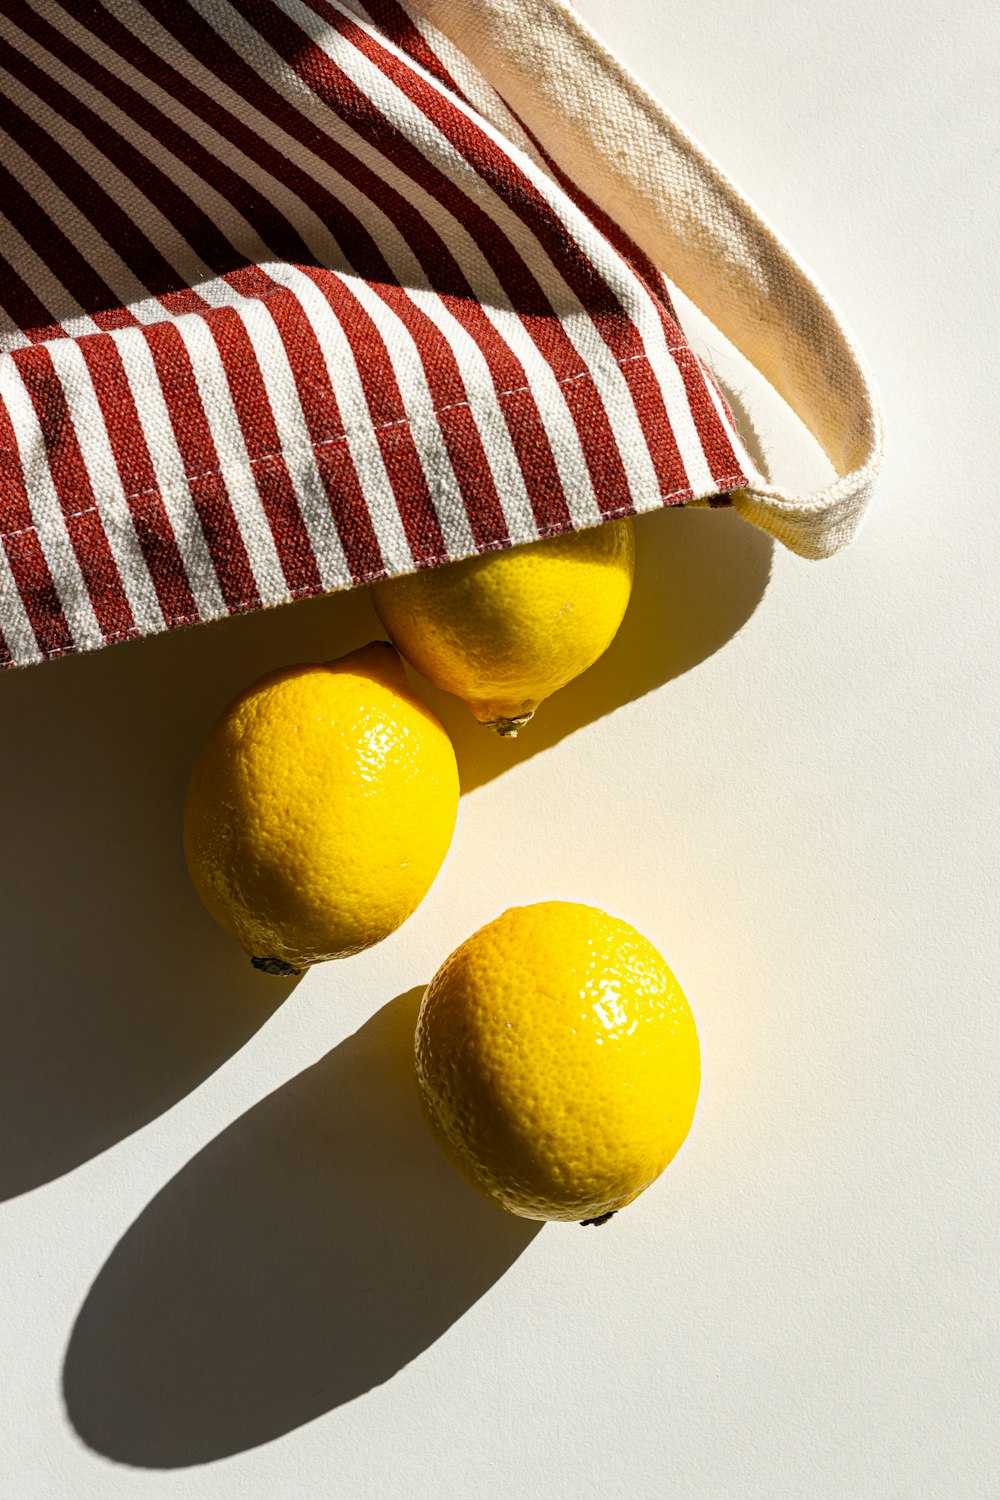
[(323, 419), (417, 512), (138, 476), (6, 658), (331, 454), (385, 402), (176, 205), (86, 292), (260, 434), (76, 496), (716, 441), (393, 22), (340, 95), (28, 312), (15, 511), (648, 395), (350, 512), (150, 268), (610, 318), (607, 472), (529, 437), (356, 109), (709, 375), (633, 254), (27, 561), (500, 172), (616, 327), (609, 311), (38, 592), (438, 359), (201, 466), (202, 234), (378, 381)]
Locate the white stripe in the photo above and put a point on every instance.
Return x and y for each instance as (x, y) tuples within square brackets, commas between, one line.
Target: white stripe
[(234, 460), (482, 96), (434, 146), (743, 458), (408, 368), (168, 465), (421, 414), (223, 213), (547, 393), (498, 447), (51, 292), (129, 290), (438, 150), (363, 441), (17, 629), (126, 285), (296, 445), (405, 357), (508, 476), (601, 253), (546, 389), (562, 434), (286, 201), (626, 286), (11, 336), (105, 480), (47, 513), (75, 225)]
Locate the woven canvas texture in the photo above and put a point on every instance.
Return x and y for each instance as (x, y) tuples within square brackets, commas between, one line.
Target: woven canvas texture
[(292, 300), (620, 145)]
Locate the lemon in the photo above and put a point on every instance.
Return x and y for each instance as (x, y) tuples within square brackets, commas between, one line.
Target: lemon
[(506, 629), (320, 809), (558, 1062)]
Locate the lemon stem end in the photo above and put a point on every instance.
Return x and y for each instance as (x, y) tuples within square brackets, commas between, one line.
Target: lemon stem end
[(507, 728), (601, 1218), (275, 966)]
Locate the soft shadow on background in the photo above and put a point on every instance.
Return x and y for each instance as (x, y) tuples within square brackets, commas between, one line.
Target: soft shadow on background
[(311, 1250), (119, 994)]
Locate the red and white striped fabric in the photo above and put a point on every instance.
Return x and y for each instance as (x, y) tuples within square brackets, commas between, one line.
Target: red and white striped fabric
[(289, 301)]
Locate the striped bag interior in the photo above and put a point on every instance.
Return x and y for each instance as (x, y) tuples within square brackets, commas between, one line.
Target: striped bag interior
[(290, 300)]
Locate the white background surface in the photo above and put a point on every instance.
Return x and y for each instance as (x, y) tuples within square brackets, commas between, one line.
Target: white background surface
[(233, 1262)]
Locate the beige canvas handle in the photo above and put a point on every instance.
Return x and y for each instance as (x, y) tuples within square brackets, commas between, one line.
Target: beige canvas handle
[(611, 137)]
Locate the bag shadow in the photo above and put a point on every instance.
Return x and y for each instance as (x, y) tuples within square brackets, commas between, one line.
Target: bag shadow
[(120, 994), (310, 1251)]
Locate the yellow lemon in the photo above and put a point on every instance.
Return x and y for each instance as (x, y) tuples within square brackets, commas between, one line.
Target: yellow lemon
[(558, 1062), (320, 809), (506, 629)]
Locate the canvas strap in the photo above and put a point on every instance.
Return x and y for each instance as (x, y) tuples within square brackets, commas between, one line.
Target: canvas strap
[(605, 130)]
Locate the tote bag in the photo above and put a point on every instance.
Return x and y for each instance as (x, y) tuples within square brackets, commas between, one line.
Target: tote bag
[(298, 294)]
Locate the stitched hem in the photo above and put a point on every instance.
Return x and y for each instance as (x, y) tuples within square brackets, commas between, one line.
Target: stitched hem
[(294, 458), (293, 455), (673, 500)]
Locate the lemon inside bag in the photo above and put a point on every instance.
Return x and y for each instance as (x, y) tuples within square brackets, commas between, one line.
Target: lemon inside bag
[(302, 296), (292, 308)]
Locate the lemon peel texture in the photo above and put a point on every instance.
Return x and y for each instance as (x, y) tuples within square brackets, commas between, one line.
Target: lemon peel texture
[(320, 809), (506, 629), (558, 1062)]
